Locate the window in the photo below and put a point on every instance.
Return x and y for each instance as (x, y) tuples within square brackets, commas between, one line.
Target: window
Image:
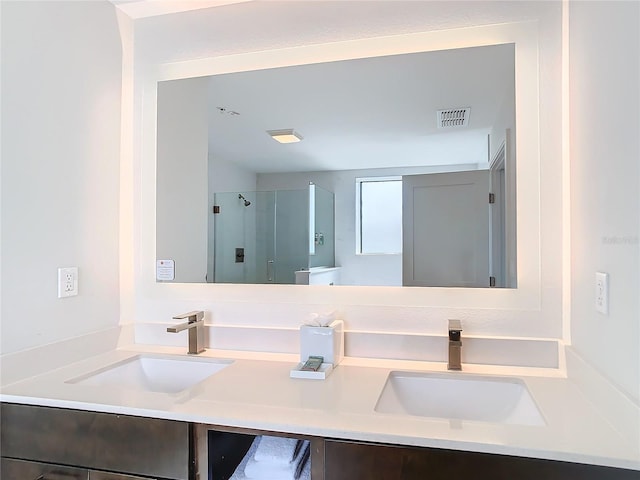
[(379, 215)]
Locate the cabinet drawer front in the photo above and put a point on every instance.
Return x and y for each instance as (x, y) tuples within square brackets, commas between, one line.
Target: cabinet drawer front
[(24, 470), (346, 460), (97, 441)]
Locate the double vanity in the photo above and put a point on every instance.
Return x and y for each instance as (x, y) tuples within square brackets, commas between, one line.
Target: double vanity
[(156, 412)]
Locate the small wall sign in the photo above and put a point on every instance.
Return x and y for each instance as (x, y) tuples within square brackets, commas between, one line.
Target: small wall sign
[(165, 270)]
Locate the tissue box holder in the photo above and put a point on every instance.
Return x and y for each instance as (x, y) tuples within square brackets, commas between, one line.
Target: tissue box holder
[(326, 342), (320, 374)]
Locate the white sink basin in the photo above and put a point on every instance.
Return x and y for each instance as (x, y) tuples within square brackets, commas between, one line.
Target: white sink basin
[(459, 396), (154, 373)]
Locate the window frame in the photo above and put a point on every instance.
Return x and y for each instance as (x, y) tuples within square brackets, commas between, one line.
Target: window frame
[(358, 211)]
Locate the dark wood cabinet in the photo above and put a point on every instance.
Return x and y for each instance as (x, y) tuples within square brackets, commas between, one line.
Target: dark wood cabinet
[(365, 461), (146, 447), (58, 444), (11, 469), (96, 475)]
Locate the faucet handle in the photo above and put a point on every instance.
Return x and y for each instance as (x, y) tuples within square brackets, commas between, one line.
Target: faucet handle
[(194, 316), (455, 327), (455, 345)]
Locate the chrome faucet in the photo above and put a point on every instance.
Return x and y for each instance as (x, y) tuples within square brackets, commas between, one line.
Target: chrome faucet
[(195, 325), (455, 345)]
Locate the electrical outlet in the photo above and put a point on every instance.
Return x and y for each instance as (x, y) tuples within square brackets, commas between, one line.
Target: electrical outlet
[(67, 282), (602, 292)]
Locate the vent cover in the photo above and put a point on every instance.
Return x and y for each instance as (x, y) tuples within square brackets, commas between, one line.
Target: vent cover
[(453, 117)]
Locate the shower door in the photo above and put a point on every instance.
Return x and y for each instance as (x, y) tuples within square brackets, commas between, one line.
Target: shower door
[(260, 237), (233, 243)]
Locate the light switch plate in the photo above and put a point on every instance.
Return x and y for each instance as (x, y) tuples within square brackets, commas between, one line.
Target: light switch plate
[(67, 282), (602, 292)]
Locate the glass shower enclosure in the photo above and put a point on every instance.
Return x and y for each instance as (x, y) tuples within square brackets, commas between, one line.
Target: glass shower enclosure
[(265, 237)]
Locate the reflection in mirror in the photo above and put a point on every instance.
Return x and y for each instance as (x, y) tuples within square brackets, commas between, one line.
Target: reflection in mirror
[(271, 235), (234, 203)]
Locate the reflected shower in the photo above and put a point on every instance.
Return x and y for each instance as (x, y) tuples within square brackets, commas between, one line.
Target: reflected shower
[(246, 202)]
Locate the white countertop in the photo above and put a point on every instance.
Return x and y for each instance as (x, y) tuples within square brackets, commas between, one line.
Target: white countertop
[(258, 394)]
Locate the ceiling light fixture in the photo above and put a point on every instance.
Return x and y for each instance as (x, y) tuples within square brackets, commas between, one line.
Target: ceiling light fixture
[(285, 136)]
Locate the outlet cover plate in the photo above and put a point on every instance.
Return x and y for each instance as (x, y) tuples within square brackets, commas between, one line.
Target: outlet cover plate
[(67, 282), (602, 293)]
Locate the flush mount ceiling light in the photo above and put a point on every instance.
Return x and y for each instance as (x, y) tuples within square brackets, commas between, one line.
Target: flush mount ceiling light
[(285, 136)]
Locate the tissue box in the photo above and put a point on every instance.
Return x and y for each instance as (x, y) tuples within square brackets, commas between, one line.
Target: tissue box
[(326, 342)]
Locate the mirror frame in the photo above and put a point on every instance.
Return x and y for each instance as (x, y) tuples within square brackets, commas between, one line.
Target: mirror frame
[(530, 276)]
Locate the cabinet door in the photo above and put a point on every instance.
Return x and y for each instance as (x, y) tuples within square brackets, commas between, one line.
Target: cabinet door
[(362, 461), (24, 470)]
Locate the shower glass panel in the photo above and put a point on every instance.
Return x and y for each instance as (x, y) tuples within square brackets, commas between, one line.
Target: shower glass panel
[(235, 237), (265, 240), (291, 225), (324, 251), (263, 237)]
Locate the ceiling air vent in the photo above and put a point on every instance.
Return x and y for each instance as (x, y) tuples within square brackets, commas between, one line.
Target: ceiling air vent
[(454, 117)]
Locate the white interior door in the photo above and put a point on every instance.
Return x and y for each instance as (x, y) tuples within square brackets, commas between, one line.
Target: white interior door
[(445, 228)]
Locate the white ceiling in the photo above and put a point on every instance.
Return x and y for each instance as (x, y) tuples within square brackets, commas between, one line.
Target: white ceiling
[(369, 113)]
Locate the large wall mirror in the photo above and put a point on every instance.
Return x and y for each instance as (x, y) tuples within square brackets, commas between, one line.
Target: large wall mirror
[(396, 170)]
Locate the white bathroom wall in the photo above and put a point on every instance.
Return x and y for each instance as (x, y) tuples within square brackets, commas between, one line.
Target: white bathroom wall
[(182, 178), (61, 100), (604, 57), (229, 177)]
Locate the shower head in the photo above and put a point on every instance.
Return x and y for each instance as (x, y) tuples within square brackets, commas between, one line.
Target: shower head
[(246, 202)]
